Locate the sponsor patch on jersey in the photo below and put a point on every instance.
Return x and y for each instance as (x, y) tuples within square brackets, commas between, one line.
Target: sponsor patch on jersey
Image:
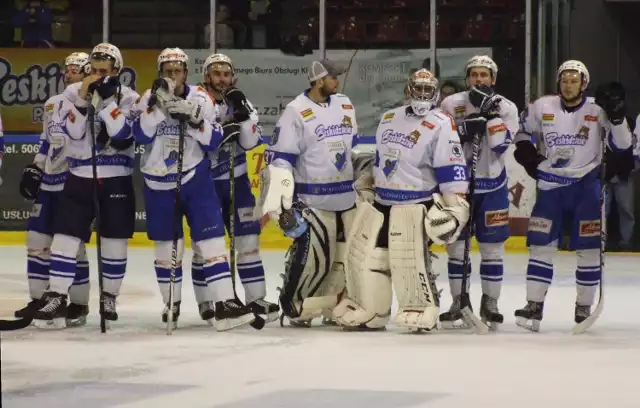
[(456, 152), (245, 214), (496, 128), (548, 117), (498, 218), (48, 108), (307, 113), (115, 113), (428, 125), (538, 224), (347, 107), (388, 116), (460, 110), (590, 228), (590, 118)]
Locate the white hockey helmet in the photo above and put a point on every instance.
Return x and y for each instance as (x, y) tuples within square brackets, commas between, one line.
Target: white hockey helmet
[(423, 91), (575, 65), (482, 61), (217, 59), (108, 51), (80, 59), (172, 54)]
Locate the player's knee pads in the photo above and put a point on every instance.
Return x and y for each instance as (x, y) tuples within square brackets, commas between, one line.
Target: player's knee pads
[(65, 245), (309, 262), (491, 250), (114, 248), (164, 253), (588, 257), (543, 253), (39, 244), (411, 274), (455, 250), (209, 248), (248, 245)]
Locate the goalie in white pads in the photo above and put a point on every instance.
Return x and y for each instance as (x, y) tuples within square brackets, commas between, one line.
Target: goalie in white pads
[(420, 181), (309, 160)]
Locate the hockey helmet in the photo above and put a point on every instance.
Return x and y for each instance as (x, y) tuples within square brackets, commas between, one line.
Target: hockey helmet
[(217, 59), (80, 59), (172, 55), (482, 61), (575, 65), (423, 91), (106, 51)]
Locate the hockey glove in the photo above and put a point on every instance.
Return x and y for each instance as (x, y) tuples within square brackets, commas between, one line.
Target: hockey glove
[(187, 111), (474, 124), (238, 103), (611, 98), (30, 181), (106, 87), (527, 156), (231, 133), (484, 97), (161, 92)]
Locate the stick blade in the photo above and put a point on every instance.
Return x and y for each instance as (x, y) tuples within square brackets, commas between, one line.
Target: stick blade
[(10, 325), (583, 326), (473, 321)]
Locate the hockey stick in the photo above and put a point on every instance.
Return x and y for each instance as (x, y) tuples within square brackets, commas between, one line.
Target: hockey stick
[(583, 326), (259, 322), (177, 220), (465, 303), (95, 99), (10, 325)]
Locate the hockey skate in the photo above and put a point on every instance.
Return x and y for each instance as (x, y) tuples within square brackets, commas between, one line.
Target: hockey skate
[(267, 310), (207, 312), (530, 316), (232, 314), (452, 319), (110, 314), (489, 313), (176, 314), (581, 313), (53, 314), (77, 315), (30, 308)]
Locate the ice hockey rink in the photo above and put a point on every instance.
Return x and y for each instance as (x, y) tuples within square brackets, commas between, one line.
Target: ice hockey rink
[(136, 365)]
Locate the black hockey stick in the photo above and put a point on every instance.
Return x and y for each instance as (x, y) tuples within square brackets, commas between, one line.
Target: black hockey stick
[(177, 220), (465, 303), (583, 326), (95, 99), (259, 322), (10, 325)]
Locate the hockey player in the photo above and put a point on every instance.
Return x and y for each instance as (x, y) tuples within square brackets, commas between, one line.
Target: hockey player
[(567, 131), (114, 165), (42, 181), (420, 180), (233, 106), (169, 109), (309, 180), (494, 119)]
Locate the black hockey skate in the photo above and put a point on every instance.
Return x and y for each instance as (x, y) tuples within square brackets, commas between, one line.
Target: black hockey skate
[(77, 315), (176, 314), (110, 313), (530, 316), (489, 313), (581, 313), (53, 314), (232, 314), (267, 310), (30, 308), (452, 319), (207, 312)]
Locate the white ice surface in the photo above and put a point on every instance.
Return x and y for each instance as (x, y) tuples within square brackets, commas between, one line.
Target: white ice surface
[(137, 365)]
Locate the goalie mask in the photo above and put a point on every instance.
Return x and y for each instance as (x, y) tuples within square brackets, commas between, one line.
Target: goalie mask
[(423, 91)]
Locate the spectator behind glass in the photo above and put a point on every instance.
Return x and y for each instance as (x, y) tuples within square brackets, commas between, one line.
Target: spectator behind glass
[(224, 33), (448, 88), (35, 22)]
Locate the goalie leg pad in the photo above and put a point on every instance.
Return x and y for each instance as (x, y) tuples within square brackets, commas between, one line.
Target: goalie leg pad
[(368, 280), (413, 280), (309, 262)]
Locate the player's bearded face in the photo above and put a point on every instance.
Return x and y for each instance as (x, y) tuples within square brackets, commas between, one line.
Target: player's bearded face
[(174, 70), (73, 74), (329, 86), (103, 68), (220, 77), (571, 86), (480, 76)]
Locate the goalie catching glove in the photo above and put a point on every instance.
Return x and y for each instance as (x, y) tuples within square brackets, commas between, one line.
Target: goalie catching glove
[(446, 218)]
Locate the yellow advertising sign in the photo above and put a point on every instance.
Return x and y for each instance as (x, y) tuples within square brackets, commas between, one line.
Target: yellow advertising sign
[(28, 77)]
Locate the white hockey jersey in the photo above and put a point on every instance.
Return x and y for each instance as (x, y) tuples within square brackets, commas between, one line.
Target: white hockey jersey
[(315, 142), (490, 171), (115, 115), (250, 137), (570, 141), (52, 156), (161, 133), (417, 156)]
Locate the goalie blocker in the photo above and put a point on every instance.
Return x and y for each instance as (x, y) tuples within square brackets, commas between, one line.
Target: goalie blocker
[(388, 248)]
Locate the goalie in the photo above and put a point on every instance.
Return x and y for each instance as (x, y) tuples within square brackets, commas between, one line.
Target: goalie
[(420, 179)]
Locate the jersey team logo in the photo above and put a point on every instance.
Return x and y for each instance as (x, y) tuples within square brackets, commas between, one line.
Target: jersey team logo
[(390, 160), (346, 121), (338, 154), (414, 136)]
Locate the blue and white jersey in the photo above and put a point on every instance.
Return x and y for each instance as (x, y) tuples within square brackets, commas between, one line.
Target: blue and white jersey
[(114, 114), (155, 128), (315, 142), (490, 171), (417, 156), (570, 141), (250, 137)]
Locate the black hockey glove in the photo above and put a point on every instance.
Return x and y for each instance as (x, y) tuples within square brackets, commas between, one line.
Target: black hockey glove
[(231, 133), (484, 97), (30, 181), (106, 87), (474, 124), (527, 156), (238, 103), (619, 164), (611, 98)]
